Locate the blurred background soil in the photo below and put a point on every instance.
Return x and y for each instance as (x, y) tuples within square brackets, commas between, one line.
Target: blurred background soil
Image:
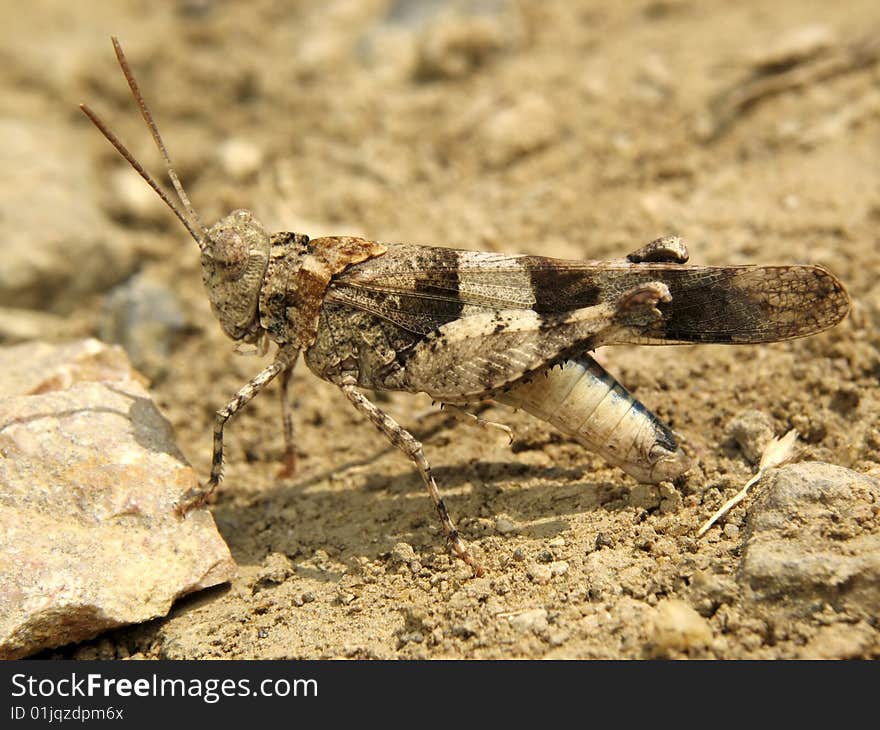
[(572, 129)]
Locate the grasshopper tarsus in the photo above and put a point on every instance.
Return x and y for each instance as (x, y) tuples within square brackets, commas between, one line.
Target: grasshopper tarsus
[(192, 499), (288, 465)]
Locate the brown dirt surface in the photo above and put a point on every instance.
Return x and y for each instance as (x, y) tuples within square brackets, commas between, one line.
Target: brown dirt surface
[(574, 129)]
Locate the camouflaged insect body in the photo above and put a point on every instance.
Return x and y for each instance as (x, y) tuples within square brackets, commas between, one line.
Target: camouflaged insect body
[(466, 326)]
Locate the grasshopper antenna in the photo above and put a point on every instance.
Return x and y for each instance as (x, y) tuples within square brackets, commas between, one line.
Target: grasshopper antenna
[(120, 148), (193, 226)]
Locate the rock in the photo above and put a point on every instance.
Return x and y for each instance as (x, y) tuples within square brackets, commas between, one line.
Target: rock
[(645, 496), (240, 158), (731, 531), (145, 318), (813, 537), (22, 325), (527, 126), (751, 430), (90, 475), (675, 626), (709, 590), (539, 573), (276, 568), (534, 620), (545, 556), (456, 47), (504, 525), (842, 641), (794, 46), (670, 498), (558, 567), (402, 554), (57, 246), (38, 367)]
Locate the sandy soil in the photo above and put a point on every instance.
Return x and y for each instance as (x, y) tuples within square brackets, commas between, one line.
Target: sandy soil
[(572, 129)]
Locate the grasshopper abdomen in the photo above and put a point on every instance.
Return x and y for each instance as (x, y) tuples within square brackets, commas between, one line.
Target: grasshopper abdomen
[(586, 403)]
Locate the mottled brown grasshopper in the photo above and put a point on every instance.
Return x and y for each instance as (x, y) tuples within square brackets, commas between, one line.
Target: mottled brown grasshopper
[(464, 326)]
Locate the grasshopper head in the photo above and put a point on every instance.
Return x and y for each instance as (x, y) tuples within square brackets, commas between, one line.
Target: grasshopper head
[(235, 253), (235, 250)]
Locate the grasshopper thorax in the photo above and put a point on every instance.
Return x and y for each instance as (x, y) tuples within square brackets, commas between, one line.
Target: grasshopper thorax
[(235, 254)]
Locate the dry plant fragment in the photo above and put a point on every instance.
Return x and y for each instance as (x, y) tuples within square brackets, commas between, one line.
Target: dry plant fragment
[(777, 452)]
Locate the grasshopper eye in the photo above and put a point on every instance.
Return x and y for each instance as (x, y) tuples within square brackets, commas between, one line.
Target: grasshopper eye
[(229, 253)]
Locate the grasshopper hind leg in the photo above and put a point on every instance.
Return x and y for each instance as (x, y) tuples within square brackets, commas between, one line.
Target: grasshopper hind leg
[(407, 443)]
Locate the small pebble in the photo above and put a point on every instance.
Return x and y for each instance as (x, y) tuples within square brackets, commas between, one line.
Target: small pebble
[(646, 496), (276, 568), (540, 573), (415, 637), (402, 554), (530, 124), (457, 47), (134, 199), (558, 637), (545, 556), (504, 526), (534, 620), (239, 158), (670, 501), (678, 627), (146, 318), (752, 430), (794, 46), (464, 630)]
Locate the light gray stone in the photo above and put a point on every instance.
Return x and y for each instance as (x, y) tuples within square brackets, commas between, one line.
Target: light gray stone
[(145, 318), (675, 626), (57, 246), (89, 479), (813, 537), (540, 573), (534, 620), (752, 430)]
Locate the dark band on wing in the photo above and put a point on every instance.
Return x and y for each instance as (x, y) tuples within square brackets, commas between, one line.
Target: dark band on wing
[(440, 282), (739, 305), (562, 289)]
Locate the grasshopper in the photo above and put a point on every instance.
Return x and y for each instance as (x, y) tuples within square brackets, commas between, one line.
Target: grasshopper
[(465, 326)]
